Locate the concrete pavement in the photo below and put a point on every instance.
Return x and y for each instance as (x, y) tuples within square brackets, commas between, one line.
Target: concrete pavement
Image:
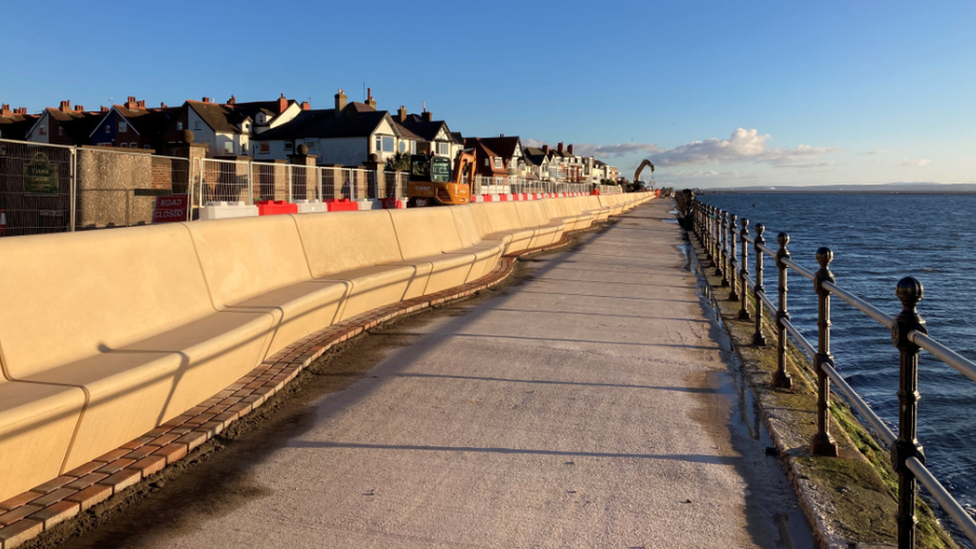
[(590, 405)]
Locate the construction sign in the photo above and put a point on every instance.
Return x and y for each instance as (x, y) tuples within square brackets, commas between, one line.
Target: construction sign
[(40, 176), (169, 209)]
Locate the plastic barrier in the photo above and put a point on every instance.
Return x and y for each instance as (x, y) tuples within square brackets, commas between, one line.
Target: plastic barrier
[(275, 207), (311, 206), (227, 210), (370, 204), (342, 205)]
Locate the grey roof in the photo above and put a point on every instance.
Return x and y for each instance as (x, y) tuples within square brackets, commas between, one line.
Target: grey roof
[(221, 118), (323, 123), (427, 130)]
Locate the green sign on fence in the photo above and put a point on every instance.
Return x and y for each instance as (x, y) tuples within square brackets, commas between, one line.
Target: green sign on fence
[(40, 176)]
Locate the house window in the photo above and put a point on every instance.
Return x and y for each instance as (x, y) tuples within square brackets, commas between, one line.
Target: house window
[(108, 128), (413, 147), (123, 127), (403, 146), (196, 125), (60, 131), (498, 162), (265, 148), (124, 145), (289, 146), (179, 126), (443, 149), (43, 130), (384, 143), (145, 146), (487, 163), (228, 147), (133, 145), (310, 143)]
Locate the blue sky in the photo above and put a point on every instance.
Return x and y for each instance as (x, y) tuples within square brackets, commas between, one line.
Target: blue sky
[(715, 93)]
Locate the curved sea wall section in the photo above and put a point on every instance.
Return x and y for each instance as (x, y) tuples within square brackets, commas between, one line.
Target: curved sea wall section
[(106, 335)]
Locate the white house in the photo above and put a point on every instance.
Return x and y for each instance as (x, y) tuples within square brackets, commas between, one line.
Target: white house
[(350, 134)]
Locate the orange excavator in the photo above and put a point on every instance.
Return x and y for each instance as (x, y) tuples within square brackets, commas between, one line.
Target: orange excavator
[(433, 183)]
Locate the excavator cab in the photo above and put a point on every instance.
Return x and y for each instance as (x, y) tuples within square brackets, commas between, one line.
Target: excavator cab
[(433, 183)]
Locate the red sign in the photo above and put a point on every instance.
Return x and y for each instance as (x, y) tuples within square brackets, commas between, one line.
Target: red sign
[(170, 208)]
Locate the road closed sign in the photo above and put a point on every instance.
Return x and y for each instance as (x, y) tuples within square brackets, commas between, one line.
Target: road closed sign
[(170, 208)]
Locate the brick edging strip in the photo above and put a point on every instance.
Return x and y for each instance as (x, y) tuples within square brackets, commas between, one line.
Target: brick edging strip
[(27, 515)]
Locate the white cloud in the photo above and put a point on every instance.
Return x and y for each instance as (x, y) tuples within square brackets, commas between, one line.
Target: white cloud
[(873, 152), (922, 162), (742, 146), (614, 151)]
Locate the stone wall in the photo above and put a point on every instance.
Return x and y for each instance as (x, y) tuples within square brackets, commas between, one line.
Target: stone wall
[(107, 184)]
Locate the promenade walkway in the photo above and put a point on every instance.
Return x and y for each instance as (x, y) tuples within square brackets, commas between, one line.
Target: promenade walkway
[(591, 405)]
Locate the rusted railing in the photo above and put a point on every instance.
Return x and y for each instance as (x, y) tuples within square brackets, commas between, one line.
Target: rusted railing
[(716, 231)]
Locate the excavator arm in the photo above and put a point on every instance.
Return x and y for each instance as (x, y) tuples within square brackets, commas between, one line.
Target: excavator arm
[(640, 168)]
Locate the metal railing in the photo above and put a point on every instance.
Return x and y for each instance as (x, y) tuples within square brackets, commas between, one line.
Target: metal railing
[(522, 185), (718, 233)]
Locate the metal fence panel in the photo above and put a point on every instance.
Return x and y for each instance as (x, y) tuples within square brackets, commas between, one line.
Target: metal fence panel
[(37, 188), (225, 181)]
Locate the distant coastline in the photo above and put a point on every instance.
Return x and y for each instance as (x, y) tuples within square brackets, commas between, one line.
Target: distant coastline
[(887, 188)]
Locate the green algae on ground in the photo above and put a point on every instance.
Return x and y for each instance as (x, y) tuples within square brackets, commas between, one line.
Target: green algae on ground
[(854, 495)]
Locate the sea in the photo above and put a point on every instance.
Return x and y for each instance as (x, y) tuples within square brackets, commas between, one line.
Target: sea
[(877, 239)]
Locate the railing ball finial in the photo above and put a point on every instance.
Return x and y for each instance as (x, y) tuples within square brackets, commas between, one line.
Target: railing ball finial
[(759, 229), (824, 256), (909, 291), (744, 223), (783, 239)]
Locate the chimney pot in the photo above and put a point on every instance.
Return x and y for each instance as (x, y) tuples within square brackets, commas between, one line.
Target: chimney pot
[(104, 108), (545, 149), (162, 105), (79, 108), (570, 148), (282, 104), (559, 147), (402, 114), (5, 110), (66, 106), (306, 106), (141, 104), (206, 99), (427, 115), (232, 100)]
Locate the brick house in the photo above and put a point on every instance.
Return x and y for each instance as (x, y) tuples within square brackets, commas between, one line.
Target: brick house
[(488, 163), (133, 126), (14, 124), (64, 125)]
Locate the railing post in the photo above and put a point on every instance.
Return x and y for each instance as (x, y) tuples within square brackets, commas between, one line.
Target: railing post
[(720, 246), (909, 292), (733, 264), (823, 444), (724, 228), (781, 378), (757, 338), (744, 270)]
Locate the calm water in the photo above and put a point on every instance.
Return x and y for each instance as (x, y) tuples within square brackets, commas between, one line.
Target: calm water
[(877, 240)]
